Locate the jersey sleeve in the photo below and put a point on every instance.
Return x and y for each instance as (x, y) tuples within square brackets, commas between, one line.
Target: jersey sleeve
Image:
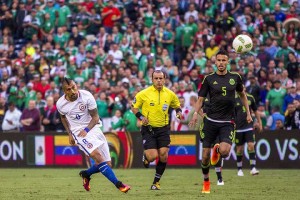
[(91, 102), (58, 107), (204, 88), (175, 101), (239, 84), (137, 101)]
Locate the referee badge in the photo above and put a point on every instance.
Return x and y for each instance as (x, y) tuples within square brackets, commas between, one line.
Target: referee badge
[(165, 107)]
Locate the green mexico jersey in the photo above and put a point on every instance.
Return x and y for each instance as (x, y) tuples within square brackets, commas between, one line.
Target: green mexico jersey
[(148, 19), (64, 13), (52, 13), (276, 97), (30, 31), (102, 107), (188, 33), (61, 40), (47, 26)]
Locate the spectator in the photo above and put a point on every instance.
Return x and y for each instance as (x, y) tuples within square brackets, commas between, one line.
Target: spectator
[(224, 5), (20, 16), (52, 90), (64, 14), (132, 10), (253, 88), (290, 96), (180, 124), (40, 102), (275, 119), (130, 121), (30, 118), (289, 121), (110, 15), (193, 101), (31, 24), (116, 54), (293, 67), (117, 121), (11, 121), (262, 113), (103, 104), (191, 12), (30, 94), (297, 113), (49, 117), (279, 125), (275, 96)]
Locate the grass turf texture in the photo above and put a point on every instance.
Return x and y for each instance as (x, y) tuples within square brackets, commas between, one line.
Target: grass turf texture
[(176, 184)]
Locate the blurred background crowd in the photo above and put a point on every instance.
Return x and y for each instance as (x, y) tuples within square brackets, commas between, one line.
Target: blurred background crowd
[(111, 48)]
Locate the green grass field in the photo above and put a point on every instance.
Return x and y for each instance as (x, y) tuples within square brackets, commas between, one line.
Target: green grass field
[(176, 184)]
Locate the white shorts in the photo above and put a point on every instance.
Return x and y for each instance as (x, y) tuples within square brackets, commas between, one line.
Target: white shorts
[(93, 140)]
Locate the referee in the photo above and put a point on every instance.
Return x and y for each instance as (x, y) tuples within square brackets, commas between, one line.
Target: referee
[(151, 106)]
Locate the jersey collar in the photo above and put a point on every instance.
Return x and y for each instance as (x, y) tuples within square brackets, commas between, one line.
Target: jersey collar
[(163, 89)]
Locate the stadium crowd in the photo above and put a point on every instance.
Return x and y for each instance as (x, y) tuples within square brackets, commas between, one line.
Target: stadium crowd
[(111, 48)]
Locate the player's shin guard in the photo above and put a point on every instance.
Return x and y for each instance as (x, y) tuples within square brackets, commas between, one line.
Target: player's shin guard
[(239, 160), (205, 171), (108, 172), (92, 170), (252, 159), (160, 168)]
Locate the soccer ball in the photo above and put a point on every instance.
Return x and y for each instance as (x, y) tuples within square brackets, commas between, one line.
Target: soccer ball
[(242, 44)]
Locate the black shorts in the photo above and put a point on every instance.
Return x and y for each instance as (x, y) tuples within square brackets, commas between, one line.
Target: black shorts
[(160, 137), (213, 131), (243, 137)]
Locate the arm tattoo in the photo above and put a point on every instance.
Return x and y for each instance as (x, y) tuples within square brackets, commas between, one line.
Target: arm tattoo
[(95, 118)]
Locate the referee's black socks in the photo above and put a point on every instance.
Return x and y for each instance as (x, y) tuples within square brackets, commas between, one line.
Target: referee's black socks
[(160, 168)]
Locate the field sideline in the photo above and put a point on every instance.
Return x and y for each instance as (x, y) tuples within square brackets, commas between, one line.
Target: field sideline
[(176, 184)]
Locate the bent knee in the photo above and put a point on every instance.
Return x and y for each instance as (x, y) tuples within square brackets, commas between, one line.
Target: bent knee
[(224, 152)]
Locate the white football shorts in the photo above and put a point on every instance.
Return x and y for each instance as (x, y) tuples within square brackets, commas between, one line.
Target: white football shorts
[(93, 140)]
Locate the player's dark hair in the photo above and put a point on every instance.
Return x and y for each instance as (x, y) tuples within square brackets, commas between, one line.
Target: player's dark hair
[(222, 52), (66, 81), (158, 71)]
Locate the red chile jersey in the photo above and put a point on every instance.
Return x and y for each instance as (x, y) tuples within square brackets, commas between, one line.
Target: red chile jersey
[(221, 90), (241, 114)]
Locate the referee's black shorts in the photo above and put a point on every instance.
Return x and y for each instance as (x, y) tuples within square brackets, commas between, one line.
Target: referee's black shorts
[(212, 131), (157, 138)]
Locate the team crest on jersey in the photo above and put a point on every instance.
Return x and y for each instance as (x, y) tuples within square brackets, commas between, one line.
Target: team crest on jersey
[(134, 100), (231, 81), (82, 107)]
